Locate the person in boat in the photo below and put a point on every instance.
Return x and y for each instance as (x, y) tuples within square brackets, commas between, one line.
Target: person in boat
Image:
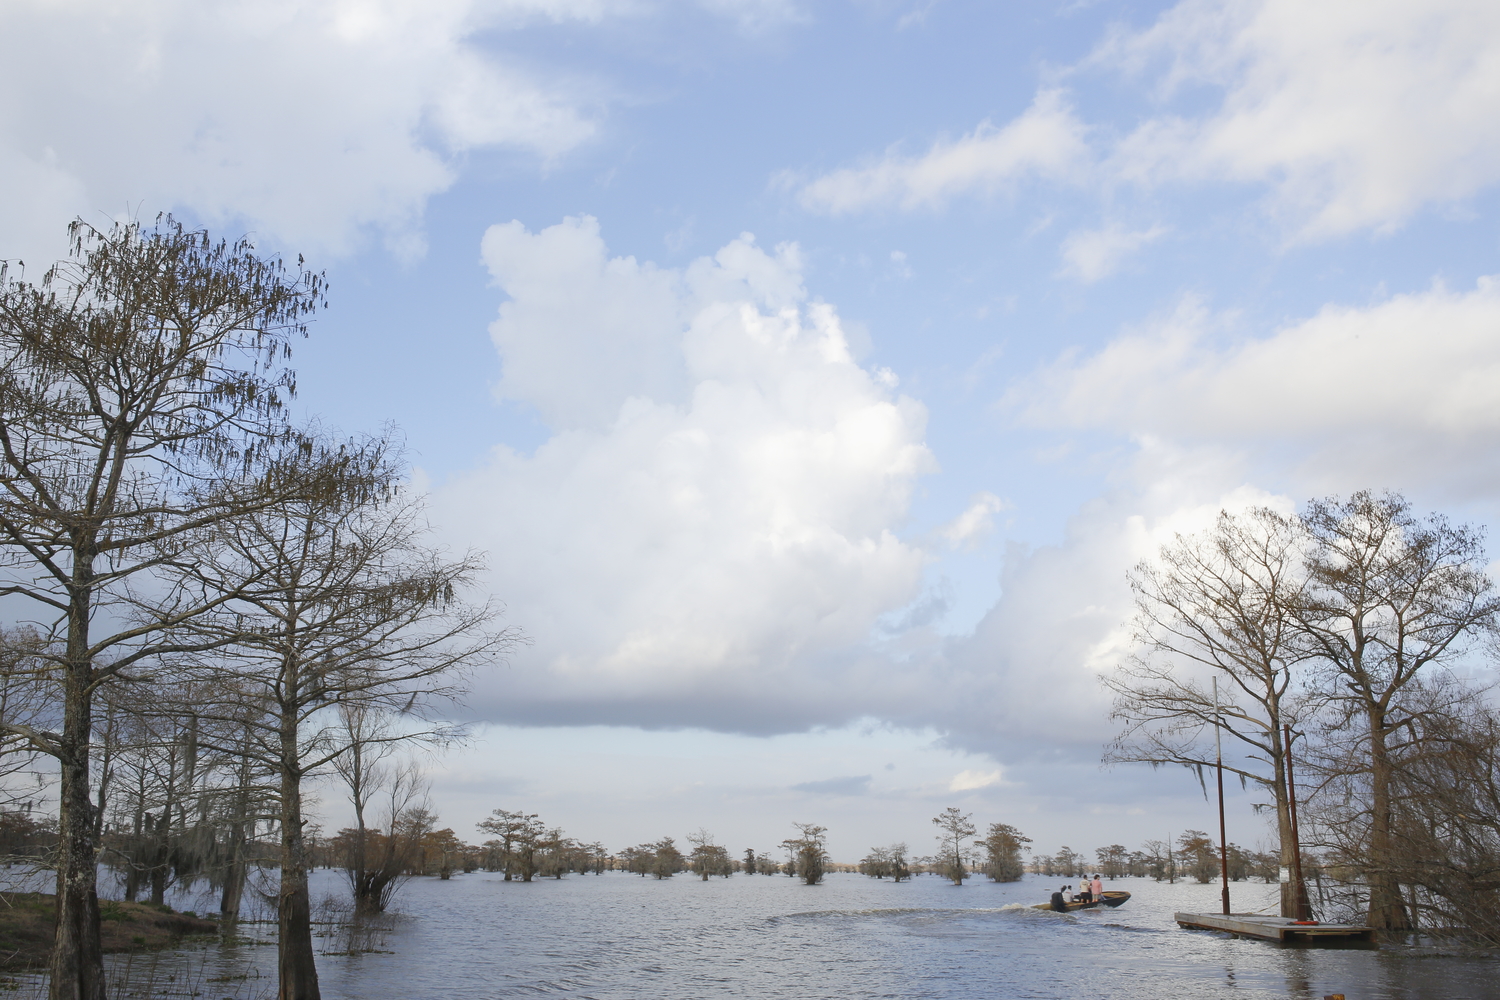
[(1067, 892), (1085, 895), (1097, 888), (1058, 902)]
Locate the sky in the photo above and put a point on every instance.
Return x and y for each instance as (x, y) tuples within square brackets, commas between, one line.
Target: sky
[(813, 373)]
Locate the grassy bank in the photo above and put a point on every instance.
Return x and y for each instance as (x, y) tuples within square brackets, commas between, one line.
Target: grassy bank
[(27, 920)]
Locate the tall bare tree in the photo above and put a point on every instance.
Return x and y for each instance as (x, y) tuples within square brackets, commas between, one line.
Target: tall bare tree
[(377, 862), (136, 381), (954, 830), (1391, 598), (336, 599), (1219, 604)]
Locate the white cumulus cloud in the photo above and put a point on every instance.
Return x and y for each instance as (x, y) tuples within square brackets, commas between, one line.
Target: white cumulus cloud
[(1355, 115), (306, 122), (977, 520), (1349, 116), (1376, 394), (967, 781), (709, 536), (1030, 672), (1046, 141)]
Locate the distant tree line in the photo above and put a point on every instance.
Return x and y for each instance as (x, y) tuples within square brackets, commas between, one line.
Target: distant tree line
[(1194, 855)]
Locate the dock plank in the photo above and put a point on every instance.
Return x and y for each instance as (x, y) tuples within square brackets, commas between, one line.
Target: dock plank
[(1266, 928)]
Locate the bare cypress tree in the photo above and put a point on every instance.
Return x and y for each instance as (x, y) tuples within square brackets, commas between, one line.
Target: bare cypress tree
[(954, 828), (1392, 597), (135, 381), (335, 599), (1222, 603), (376, 862)]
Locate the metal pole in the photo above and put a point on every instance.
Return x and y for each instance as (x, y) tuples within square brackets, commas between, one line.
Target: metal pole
[(1299, 888), (1223, 837)]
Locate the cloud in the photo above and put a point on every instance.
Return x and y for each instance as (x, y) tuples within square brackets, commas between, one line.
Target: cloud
[(965, 530), (756, 16), (309, 123), (708, 538), (1045, 141), (968, 781), (1089, 255), (1354, 116), (1395, 393), (1351, 119), (1030, 671), (1389, 393), (853, 785)]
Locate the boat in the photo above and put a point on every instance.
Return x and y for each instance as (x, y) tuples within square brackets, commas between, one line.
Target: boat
[(1111, 899)]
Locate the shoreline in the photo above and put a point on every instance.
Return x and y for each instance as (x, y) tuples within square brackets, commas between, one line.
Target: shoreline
[(28, 920)]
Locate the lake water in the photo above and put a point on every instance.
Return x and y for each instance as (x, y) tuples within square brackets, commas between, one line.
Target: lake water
[(622, 937)]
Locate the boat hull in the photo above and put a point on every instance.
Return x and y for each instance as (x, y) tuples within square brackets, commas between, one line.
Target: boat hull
[(1109, 901)]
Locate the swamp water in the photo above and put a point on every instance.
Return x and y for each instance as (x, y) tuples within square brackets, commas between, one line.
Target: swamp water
[(622, 937)]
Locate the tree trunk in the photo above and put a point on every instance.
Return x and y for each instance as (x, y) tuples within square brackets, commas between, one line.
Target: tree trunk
[(1284, 831), (296, 968), (161, 856), (1387, 909), (77, 965), (135, 856), (234, 881), (77, 956), (234, 877)]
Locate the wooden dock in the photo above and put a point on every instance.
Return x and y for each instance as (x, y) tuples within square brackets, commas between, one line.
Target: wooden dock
[(1281, 929)]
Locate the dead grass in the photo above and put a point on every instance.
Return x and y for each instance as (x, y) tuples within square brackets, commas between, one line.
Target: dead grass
[(27, 922)]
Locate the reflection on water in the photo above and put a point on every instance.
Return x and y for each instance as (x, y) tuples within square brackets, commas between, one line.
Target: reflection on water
[(620, 936)]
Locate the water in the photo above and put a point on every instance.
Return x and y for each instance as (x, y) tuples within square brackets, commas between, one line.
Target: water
[(621, 937)]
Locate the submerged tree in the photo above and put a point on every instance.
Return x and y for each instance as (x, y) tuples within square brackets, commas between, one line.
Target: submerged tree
[(334, 600), (1113, 861), (808, 854), (138, 382), (707, 858), (954, 830), (1445, 832), (376, 860), (1198, 855), (887, 862), (516, 835), (1003, 845), (667, 860), (1392, 597)]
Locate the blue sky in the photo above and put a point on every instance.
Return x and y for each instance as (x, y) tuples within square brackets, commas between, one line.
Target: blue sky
[(829, 522)]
